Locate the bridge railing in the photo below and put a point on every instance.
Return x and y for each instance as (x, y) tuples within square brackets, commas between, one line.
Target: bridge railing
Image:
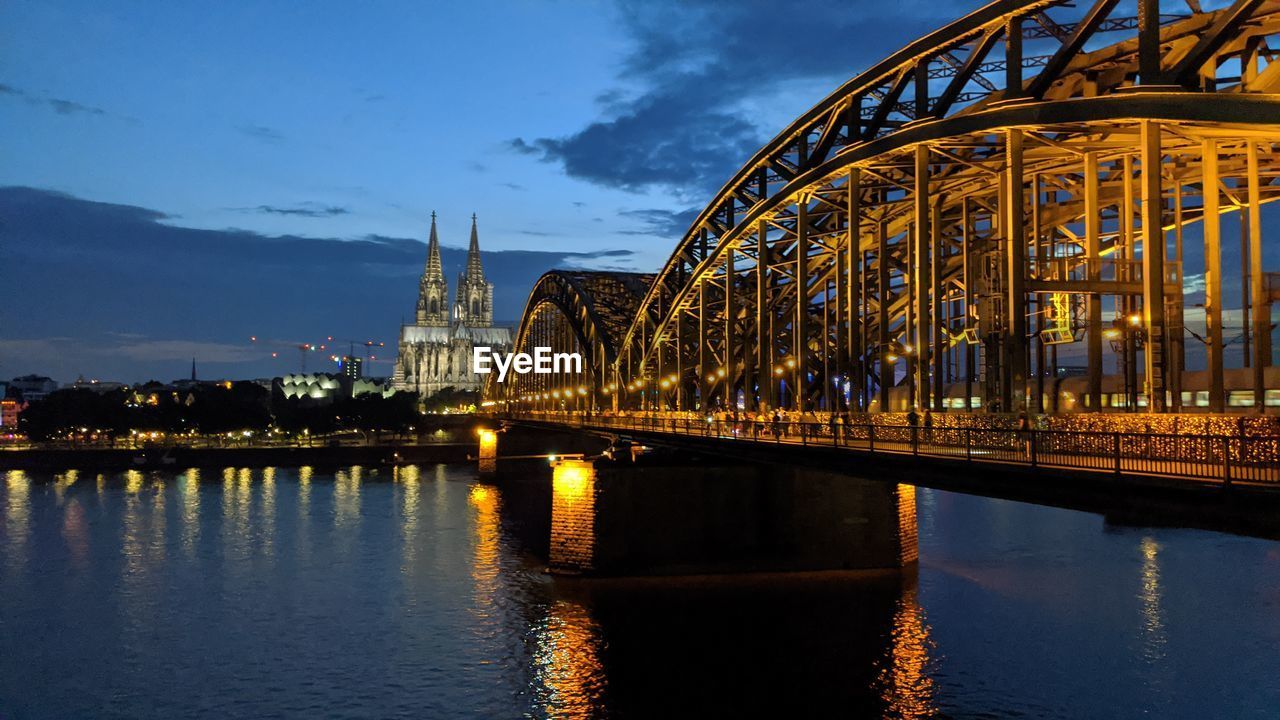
[(1221, 458)]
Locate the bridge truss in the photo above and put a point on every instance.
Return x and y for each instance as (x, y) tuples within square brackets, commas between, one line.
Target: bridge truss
[(1018, 181)]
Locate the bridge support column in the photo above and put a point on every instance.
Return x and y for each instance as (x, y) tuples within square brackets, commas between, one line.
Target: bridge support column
[(1259, 301), (1093, 252), (800, 329), (730, 333), (1212, 271), (1015, 383), (1153, 252), (643, 520), (488, 454), (764, 319), (920, 279)]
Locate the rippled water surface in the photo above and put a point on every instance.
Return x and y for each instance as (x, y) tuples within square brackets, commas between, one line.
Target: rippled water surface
[(418, 593)]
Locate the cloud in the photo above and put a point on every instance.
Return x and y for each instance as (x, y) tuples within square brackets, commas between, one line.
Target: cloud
[(1193, 284), (519, 146), (687, 114), (58, 105), (70, 107), (307, 209), (657, 222), (513, 186), (156, 350), (260, 132), (119, 292)]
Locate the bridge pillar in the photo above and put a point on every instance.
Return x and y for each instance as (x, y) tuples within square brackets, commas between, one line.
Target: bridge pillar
[(610, 519), (488, 455)]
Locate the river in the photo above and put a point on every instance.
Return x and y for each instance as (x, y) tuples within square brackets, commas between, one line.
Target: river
[(417, 592)]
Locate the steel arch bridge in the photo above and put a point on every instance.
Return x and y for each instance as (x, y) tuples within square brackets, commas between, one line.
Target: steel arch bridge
[(576, 311), (1012, 184)]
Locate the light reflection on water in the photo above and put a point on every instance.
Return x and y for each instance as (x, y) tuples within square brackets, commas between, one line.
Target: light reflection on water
[(372, 592), (17, 519)]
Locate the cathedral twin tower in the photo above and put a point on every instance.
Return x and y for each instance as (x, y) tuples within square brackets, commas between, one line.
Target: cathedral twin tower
[(475, 296), (436, 351)]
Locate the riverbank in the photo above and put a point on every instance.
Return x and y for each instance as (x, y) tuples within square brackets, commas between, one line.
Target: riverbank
[(185, 457)]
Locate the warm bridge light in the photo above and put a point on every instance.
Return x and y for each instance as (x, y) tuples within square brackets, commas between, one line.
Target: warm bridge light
[(571, 480)]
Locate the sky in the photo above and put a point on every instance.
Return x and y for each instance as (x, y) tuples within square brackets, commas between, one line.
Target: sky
[(180, 176)]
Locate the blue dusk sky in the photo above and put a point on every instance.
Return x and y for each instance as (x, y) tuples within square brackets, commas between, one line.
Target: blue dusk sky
[(177, 177)]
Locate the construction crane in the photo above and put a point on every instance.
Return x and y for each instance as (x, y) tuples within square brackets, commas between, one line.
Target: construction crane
[(369, 345), (302, 348)]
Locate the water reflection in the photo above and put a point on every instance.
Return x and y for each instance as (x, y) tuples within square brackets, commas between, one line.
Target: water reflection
[(569, 680), (190, 489), (267, 516), (75, 533), (304, 488), (483, 499), (406, 479), (1153, 633), (906, 687), (62, 482), (346, 497), (461, 620), (17, 518)]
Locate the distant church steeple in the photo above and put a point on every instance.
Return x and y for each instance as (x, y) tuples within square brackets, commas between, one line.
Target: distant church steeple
[(193, 369), (475, 296), (433, 289)]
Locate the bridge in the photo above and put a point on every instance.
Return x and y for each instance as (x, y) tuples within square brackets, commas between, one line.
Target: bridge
[(1000, 225)]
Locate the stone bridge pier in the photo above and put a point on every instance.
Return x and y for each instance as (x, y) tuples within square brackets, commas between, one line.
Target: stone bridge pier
[(676, 517)]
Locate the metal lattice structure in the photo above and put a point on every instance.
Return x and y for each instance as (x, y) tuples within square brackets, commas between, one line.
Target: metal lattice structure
[(1014, 181), (577, 311)]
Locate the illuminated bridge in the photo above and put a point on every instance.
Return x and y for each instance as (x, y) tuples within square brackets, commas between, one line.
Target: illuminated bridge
[(1007, 216)]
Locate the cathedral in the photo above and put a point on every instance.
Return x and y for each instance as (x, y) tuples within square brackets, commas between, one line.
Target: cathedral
[(435, 351)]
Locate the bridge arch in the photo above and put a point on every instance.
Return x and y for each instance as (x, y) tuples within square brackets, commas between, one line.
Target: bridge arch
[(574, 311), (960, 211)]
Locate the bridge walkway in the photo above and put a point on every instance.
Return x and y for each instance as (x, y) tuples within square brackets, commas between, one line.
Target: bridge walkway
[(1203, 459)]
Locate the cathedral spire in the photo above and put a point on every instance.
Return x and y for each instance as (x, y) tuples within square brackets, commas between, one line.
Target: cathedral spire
[(433, 289), (475, 269), (475, 296), (435, 268)]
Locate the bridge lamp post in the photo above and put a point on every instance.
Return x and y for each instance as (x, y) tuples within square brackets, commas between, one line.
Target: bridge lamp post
[(1126, 333)]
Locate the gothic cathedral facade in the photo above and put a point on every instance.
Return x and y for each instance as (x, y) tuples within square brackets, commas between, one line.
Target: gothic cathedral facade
[(436, 350)]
